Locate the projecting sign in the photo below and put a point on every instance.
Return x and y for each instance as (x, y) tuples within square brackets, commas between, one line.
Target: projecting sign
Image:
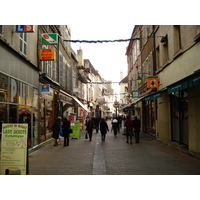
[(45, 89), (152, 82), (49, 38), (14, 149), (24, 28), (135, 94), (46, 54)]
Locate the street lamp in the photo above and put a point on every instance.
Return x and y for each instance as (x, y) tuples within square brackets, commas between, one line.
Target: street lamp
[(116, 105)]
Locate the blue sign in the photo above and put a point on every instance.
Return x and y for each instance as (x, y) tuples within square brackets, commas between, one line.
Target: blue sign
[(19, 28), (24, 28), (45, 89)]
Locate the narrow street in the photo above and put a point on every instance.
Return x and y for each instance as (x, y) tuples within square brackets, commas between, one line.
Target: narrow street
[(112, 157)]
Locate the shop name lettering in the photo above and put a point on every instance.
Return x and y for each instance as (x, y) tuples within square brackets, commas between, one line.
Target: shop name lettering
[(14, 133)]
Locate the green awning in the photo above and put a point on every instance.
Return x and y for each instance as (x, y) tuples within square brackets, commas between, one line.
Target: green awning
[(153, 96), (184, 83)]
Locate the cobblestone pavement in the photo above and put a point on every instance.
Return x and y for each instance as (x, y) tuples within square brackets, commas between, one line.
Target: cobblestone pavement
[(112, 157)]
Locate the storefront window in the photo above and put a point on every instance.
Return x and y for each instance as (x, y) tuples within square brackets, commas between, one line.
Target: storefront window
[(179, 116), (3, 88), (49, 114)]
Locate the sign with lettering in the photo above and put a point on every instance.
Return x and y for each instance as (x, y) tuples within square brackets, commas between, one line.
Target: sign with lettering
[(24, 28), (49, 38), (14, 149), (46, 54)]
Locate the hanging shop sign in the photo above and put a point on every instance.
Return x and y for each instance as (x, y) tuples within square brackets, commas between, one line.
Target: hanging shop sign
[(24, 28), (135, 94), (14, 149), (47, 54), (49, 38), (45, 89), (152, 82)]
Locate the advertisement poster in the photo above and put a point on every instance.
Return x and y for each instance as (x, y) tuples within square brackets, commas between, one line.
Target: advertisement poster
[(75, 126), (14, 149)]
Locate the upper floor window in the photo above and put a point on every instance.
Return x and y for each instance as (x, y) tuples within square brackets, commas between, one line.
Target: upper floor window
[(23, 43), (177, 38)]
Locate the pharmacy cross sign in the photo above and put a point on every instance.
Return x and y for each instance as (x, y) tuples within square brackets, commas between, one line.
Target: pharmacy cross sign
[(49, 38)]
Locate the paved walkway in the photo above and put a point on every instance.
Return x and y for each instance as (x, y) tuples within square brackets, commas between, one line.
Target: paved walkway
[(112, 157)]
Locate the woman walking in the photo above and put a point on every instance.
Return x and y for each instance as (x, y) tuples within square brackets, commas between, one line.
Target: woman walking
[(56, 129), (103, 129), (129, 129)]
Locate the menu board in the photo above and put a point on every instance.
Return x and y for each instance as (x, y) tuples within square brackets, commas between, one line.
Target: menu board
[(14, 149)]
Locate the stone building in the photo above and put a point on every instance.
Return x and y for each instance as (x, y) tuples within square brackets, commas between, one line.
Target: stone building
[(169, 52)]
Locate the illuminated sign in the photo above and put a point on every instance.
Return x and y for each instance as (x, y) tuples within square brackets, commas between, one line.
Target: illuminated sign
[(24, 28), (49, 38), (46, 54)]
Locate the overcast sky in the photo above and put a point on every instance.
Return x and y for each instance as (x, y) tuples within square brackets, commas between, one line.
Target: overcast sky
[(108, 58)]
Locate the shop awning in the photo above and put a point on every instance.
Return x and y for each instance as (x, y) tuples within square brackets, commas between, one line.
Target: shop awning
[(80, 103), (185, 83), (153, 96)]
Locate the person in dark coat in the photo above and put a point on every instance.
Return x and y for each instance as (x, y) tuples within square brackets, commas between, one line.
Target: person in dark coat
[(129, 129), (56, 129), (137, 125), (103, 129), (66, 127), (90, 127), (115, 126)]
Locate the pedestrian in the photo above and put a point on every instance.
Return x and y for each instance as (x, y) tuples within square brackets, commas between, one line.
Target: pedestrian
[(96, 124), (129, 129), (90, 127), (136, 126), (103, 129), (66, 127), (56, 129), (115, 126)]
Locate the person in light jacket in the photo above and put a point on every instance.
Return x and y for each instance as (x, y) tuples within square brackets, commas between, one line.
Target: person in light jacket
[(103, 129)]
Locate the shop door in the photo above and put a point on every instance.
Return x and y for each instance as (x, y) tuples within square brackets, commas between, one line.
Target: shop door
[(179, 117)]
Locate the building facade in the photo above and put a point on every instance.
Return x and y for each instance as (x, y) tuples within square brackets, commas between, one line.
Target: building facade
[(169, 52)]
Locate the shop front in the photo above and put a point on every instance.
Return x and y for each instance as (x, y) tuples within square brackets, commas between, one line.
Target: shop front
[(19, 104)]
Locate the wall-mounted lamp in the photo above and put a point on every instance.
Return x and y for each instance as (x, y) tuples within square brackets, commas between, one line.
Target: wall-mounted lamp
[(164, 40), (139, 79)]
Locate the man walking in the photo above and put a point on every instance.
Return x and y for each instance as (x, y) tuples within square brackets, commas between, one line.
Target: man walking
[(66, 126), (136, 125)]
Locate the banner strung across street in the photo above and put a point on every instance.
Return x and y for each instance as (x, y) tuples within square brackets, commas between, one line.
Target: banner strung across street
[(14, 149)]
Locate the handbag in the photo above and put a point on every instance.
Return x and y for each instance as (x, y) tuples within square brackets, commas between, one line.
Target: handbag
[(86, 136)]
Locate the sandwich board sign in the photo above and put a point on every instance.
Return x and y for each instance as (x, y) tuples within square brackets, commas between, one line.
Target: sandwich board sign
[(49, 38), (14, 149)]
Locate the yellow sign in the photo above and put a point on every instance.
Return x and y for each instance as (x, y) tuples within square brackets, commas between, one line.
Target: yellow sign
[(14, 149), (152, 82), (46, 54)]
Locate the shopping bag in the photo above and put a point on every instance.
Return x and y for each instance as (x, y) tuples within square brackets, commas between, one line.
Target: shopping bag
[(61, 132)]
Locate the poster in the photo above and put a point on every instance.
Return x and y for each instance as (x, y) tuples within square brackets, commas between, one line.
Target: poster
[(75, 126), (14, 149)]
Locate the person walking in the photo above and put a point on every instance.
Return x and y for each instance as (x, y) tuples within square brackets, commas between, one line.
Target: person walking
[(56, 129), (103, 129), (136, 126), (129, 129), (115, 126), (66, 127), (90, 127)]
